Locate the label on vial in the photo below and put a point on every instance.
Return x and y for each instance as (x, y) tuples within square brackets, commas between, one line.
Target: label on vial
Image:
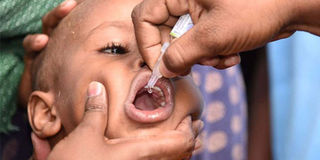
[(183, 24)]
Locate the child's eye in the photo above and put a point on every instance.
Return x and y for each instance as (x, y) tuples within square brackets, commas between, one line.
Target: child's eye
[(114, 48)]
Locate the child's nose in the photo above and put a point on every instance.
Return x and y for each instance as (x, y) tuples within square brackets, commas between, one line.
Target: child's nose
[(139, 63)]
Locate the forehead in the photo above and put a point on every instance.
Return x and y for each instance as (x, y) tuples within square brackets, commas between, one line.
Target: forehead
[(100, 11), (91, 15)]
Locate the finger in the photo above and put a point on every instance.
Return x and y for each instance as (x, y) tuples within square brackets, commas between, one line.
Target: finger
[(197, 126), (52, 19), (211, 62), (185, 125), (41, 147), (283, 35), (95, 116), (34, 43), (198, 143), (168, 146), (183, 53), (228, 61), (165, 34), (187, 128), (202, 41), (165, 37), (147, 16)]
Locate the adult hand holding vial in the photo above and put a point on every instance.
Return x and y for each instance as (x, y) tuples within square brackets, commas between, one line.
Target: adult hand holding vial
[(221, 29)]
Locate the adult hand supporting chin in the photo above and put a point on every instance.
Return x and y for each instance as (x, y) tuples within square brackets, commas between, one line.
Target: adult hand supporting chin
[(221, 29), (87, 141)]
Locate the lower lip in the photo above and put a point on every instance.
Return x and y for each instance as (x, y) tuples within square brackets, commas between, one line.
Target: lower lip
[(157, 115), (149, 116)]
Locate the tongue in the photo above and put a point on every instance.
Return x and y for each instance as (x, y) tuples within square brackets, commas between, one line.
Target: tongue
[(144, 101)]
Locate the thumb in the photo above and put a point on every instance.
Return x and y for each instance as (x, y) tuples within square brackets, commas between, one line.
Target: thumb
[(185, 51), (96, 109), (41, 147)]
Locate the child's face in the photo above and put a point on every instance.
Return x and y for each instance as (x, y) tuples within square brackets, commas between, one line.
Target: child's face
[(105, 50)]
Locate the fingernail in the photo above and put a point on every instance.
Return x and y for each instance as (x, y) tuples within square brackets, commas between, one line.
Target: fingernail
[(228, 62), (187, 158), (65, 3), (198, 144), (231, 61), (165, 72), (40, 38), (94, 89), (201, 125)]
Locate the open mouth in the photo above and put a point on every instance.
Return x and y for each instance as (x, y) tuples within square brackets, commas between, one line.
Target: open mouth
[(145, 107)]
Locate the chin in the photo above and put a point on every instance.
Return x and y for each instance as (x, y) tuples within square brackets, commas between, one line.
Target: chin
[(146, 113)]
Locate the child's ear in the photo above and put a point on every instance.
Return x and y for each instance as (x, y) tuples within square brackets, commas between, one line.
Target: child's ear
[(42, 114)]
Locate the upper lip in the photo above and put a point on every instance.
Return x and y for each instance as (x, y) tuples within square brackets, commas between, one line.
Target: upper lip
[(149, 116)]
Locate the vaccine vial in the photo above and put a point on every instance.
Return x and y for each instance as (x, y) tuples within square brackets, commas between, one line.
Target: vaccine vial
[(183, 24)]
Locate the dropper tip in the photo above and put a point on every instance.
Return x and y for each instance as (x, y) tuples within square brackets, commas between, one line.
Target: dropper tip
[(149, 90)]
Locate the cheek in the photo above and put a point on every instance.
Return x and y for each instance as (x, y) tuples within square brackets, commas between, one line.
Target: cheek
[(119, 85), (188, 99), (71, 108), (71, 97)]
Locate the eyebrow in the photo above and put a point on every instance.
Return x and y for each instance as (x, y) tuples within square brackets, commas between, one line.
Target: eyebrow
[(107, 24)]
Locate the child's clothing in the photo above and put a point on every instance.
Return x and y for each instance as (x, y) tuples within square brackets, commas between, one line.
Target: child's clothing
[(224, 115)]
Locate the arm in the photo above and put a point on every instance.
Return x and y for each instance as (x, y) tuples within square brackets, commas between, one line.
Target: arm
[(222, 28)]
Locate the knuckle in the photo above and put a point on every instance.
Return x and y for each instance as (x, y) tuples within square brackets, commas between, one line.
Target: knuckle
[(94, 107), (211, 38), (86, 128), (144, 154), (95, 104), (174, 58), (188, 141), (238, 59), (204, 34), (27, 40), (44, 18), (135, 13)]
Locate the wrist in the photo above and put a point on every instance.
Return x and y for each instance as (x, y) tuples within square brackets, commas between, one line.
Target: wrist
[(305, 16)]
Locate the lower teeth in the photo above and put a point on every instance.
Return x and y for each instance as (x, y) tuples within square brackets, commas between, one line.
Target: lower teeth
[(156, 96)]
